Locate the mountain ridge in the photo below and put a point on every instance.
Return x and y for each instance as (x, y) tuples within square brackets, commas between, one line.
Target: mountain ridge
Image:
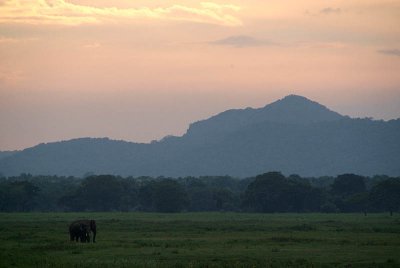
[(293, 135)]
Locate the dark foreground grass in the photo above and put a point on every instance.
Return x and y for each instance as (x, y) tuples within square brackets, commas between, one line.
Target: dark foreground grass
[(202, 240)]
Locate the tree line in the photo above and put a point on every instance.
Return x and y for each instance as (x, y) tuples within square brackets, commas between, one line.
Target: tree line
[(265, 193)]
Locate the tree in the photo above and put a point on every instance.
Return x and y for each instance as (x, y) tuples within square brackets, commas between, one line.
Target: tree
[(102, 193), (129, 198), (267, 193), (348, 184), (146, 195), (169, 196), (225, 199), (386, 195), (98, 193), (303, 197), (356, 203), (349, 192), (200, 196), (273, 192), (18, 196)]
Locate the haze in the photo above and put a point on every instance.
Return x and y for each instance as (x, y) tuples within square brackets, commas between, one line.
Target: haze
[(138, 71)]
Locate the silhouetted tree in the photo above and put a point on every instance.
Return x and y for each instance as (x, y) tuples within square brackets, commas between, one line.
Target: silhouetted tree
[(349, 193), (386, 195), (225, 199), (96, 193), (169, 196), (17, 196), (348, 184), (130, 196), (267, 193), (273, 192), (200, 196), (102, 193), (146, 196)]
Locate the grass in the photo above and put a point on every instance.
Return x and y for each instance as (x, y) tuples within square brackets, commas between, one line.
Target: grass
[(202, 240)]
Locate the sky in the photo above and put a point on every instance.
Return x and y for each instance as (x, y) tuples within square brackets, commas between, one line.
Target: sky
[(141, 70)]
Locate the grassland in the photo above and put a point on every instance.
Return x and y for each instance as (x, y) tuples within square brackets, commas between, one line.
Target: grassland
[(202, 240)]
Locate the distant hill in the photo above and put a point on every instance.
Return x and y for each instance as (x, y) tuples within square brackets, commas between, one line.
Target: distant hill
[(4, 154), (293, 135), (292, 109)]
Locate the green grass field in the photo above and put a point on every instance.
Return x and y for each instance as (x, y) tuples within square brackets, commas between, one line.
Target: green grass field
[(202, 240)]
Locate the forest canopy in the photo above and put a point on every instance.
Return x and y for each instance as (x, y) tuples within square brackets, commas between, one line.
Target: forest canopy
[(266, 193)]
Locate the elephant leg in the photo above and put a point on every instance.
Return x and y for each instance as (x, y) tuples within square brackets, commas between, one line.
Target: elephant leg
[(85, 233), (83, 237)]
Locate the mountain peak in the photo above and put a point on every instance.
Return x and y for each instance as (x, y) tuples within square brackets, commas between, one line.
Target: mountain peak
[(292, 109), (298, 109), (293, 99)]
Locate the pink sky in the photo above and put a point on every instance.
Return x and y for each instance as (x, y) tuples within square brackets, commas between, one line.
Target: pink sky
[(138, 71)]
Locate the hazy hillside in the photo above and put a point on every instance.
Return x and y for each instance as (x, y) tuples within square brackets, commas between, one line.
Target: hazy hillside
[(292, 135), (4, 154)]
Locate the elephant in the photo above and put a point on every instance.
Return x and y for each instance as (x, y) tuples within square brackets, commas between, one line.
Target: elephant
[(80, 230)]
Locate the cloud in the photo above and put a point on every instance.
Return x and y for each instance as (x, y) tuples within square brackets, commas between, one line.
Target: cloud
[(7, 40), (242, 41), (329, 10), (324, 11), (210, 5), (61, 12), (4, 40), (94, 45), (391, 52), (8, 77)]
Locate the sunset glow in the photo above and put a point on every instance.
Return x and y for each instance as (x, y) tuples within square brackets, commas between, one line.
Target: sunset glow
[(141, 70)]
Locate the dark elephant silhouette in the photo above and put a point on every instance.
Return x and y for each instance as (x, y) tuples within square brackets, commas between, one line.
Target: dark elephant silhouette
[(80, 230)]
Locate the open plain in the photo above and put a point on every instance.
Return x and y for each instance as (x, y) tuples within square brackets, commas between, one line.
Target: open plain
[(133, 239)]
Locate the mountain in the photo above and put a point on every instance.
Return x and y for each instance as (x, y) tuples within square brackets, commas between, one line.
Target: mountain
[(292, 109), (293, 135), (4, 154)]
